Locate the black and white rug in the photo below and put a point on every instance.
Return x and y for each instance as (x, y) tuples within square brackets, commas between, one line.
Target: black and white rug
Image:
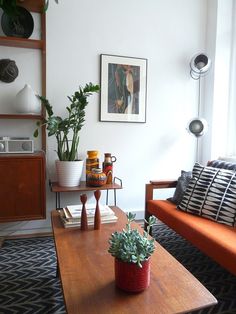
[(217, 280), (28, 281), (29, 285)]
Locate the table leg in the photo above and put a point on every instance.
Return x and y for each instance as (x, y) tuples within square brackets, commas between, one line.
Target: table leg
[(115, 197), (57, 270), (107, 198), (58, 200)]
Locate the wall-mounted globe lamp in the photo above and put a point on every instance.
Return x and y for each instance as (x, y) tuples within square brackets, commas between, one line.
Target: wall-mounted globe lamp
[(199, 66), (197, 127)]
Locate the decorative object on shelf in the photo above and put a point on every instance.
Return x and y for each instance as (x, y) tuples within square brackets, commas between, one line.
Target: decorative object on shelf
[(84, 220), (69, 172), (107, 166), (17, 23), (92, 161), (96, 177), (8, 70), (9, 6), (26, 101), (97, 216), (134, 275), (16, 145), (200, 65), (123, 89), (66, 130)]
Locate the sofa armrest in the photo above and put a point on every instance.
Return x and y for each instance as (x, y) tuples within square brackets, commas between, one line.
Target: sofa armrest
[(161, 184), (153, 185)]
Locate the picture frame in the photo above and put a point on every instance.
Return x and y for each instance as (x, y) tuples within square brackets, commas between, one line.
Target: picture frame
[(123, 89)]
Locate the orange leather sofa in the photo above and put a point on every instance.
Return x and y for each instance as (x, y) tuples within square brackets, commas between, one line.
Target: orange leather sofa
[(214, 239)]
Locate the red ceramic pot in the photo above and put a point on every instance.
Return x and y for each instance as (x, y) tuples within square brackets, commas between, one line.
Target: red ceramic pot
[(130, 277)]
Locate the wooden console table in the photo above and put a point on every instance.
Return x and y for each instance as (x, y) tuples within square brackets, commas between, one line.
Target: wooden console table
[(83, 187), (87, 275)]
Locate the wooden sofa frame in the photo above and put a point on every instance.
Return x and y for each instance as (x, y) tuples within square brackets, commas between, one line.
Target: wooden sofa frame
[(216, 240)]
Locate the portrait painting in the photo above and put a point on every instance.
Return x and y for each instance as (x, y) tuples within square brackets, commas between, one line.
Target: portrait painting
[(123, 89)]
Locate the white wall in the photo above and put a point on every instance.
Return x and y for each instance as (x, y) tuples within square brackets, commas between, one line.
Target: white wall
[(167, 33)]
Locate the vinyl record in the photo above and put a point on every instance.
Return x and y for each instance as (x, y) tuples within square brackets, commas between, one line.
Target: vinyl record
[(21, 25)]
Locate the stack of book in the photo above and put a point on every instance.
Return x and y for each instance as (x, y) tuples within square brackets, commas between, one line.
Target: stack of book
[(71, 215)]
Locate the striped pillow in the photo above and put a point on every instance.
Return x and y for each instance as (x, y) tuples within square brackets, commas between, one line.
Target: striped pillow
[(211, 193)]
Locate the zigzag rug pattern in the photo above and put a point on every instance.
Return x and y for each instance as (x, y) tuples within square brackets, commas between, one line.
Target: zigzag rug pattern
[(28, 281), (216, 279)]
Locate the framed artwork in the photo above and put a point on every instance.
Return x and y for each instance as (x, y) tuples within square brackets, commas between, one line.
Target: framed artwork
[(123, 89)]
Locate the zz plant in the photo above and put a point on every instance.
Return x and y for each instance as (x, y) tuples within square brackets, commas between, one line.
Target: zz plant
[(67, 130), (130, 245)]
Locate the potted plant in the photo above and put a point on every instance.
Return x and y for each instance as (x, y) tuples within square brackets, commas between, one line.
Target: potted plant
[(67, 133), (132, 251)]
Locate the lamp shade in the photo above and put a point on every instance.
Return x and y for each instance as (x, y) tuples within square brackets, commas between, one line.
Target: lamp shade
[(200, 64), (197, 127)]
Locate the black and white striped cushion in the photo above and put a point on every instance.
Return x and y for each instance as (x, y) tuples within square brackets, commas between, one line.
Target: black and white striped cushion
[(211, 193)]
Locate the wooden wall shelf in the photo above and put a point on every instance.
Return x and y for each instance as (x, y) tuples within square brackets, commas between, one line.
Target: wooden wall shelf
[(21, 42), (40, 44), (32, 5), (22, 184), (21, 116)]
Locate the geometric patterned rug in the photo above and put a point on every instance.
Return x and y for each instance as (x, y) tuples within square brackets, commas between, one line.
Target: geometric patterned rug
[(29, 285), (216, 279), (28, 282)]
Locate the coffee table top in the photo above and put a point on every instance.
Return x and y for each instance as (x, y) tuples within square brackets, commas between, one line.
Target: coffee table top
[(87, 276)]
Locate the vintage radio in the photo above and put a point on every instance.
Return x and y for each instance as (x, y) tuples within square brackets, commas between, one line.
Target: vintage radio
[(16, 145)]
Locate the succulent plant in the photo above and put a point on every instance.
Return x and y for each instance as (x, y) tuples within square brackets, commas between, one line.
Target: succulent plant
[(130, 245)]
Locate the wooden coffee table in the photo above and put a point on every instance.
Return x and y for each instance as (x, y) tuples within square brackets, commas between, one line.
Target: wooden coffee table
[(87, 276)]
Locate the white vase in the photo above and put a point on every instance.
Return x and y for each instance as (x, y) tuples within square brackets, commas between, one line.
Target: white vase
[(26, 101), (69, 172)]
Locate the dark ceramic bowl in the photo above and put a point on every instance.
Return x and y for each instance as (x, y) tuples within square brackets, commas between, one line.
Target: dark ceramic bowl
[(22, 25)]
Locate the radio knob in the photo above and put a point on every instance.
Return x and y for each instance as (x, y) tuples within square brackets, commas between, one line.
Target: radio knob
[(26, 146), (2, 147)]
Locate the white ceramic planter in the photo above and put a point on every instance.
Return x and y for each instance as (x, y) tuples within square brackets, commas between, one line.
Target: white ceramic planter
[(69, 172), (26, 101)]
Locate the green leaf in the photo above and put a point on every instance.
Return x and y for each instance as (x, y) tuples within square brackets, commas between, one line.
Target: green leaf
[(36, 133), (47, 4)]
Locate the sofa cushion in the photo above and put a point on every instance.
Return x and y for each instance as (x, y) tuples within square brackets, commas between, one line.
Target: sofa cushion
[(211, 193), (181, 186), (222, 164)]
